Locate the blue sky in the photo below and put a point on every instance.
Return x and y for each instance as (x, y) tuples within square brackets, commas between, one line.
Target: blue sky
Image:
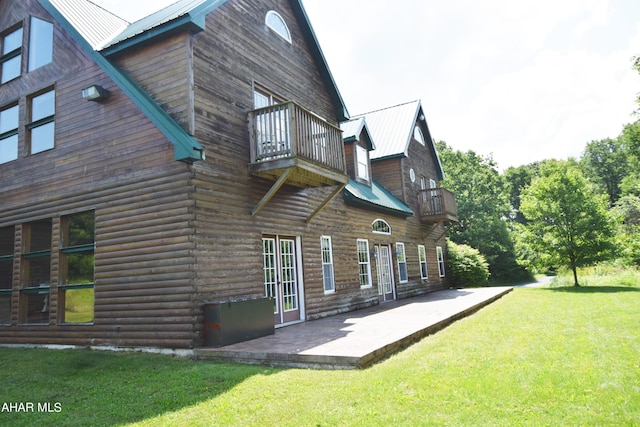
[(519, 80)]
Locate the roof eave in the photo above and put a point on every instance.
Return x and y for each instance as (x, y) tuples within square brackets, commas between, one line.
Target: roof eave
[(186, 23), (356, 201)]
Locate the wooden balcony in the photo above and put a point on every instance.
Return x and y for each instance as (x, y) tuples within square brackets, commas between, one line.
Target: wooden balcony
[(437, 205), (286, 138), (293, 146)]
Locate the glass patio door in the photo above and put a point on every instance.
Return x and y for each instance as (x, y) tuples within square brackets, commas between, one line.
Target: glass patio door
[(281, 278), (385, 273)]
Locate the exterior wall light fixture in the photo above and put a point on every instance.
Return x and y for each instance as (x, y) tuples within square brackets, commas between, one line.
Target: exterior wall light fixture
[(95, 93)]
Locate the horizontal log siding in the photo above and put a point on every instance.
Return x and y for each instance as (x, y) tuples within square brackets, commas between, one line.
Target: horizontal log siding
[(109, 158)]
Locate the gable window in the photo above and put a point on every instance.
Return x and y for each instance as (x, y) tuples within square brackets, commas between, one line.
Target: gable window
[(77, 268), (41, 129), (36, 270), (327, 264), (11, 58), (402, 262), (6, 272), (9, 134), (381, 226), (362, 158), (418, 135), (364, 263), (277, 24), (40, 43), (440, 254), (422, 256)]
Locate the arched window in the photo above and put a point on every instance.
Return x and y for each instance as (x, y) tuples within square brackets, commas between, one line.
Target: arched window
[(417, 134), (381, 226), (277, 24)]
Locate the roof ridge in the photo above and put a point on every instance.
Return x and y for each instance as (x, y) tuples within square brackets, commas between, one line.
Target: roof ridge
[(386, 108), (108, 11)]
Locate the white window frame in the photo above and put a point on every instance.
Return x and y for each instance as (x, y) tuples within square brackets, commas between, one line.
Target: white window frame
[(422, 257), (380, 221), (364, 264), (418, 135), (326, 254), (362, 163), (440, 255), (401, 258), (276, 22)]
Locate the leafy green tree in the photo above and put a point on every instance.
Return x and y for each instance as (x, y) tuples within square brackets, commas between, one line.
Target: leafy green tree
[(567, 218), (606, 164), (483, 210), (628, 210), (630, 137), (517, 179)]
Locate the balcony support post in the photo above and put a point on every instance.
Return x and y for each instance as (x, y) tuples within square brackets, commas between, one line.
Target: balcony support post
[(335, 192), (272, 191)]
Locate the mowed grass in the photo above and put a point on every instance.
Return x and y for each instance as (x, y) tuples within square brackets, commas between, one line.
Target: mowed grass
[(552, 356)]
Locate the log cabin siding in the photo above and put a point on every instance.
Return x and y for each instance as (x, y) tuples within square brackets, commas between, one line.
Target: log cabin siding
[(172, 236), (109, 158)]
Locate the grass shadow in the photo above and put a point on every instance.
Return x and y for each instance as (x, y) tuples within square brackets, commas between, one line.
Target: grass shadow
[(103, 388)]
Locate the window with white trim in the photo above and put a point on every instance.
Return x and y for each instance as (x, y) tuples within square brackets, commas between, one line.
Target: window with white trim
[(440, 254), (402, 263), (362, 158), (418, 135), (277, 24), (327, 264), (422, 256), (364, 263), (381, 226)]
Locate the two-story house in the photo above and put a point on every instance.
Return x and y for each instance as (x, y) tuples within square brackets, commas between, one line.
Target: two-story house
[(196, 155)]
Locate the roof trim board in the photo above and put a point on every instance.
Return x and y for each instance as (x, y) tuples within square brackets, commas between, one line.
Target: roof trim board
[(186, 147)]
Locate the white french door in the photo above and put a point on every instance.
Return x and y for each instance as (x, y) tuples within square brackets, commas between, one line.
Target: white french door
[(385, 273), (282, 278)]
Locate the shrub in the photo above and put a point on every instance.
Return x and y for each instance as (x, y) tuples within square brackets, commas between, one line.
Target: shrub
[(466, 266)]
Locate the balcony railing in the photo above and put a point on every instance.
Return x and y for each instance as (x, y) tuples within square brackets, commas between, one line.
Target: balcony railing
[(437, 205), (288, 131)]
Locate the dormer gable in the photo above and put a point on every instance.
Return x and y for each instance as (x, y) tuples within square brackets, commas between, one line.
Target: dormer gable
[(358, 145)]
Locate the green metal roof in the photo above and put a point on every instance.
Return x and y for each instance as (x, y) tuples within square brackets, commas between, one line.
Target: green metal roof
[(376, 197), (186, 147)]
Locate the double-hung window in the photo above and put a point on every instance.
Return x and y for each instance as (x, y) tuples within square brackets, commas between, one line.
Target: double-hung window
[(9, 133), (364, 263), (327, 264), (402, 262), (42, 127), (6, 272), (422, 257), (362, 158), (76, 290), (11, 58), (36, 272), (440, 254)]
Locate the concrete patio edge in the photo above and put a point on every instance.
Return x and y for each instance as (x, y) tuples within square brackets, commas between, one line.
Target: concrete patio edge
[(351, 340)]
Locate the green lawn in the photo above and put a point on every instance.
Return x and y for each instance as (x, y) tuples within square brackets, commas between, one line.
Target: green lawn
[(551, 356)]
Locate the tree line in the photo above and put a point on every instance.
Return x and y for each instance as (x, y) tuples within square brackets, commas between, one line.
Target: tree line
[(549, 214)]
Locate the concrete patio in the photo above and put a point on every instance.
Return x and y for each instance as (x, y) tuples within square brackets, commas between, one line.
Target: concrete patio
[(360, 338)]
